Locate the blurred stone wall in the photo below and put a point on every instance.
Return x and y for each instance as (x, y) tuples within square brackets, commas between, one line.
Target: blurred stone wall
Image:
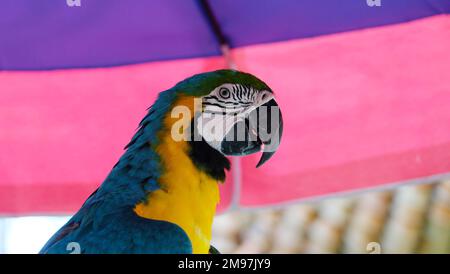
[(410, 219)]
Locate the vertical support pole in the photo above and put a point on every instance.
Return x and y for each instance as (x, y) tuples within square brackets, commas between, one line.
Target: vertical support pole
[(3, 225), (236, 170)]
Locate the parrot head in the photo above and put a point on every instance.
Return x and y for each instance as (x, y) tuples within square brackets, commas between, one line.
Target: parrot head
[(237, 113)]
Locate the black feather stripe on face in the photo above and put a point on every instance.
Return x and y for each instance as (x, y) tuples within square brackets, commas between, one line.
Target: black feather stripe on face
[(233, 94), (241, 95), (206, 158)]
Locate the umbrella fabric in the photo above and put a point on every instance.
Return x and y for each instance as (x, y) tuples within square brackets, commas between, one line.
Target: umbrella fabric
[(63, 131), (49, 34), (363, 107)]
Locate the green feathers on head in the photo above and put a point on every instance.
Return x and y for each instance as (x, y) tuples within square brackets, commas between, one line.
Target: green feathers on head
[(202, 84)]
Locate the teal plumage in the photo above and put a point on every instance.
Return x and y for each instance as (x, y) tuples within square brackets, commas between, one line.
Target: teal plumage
[(106, 223)]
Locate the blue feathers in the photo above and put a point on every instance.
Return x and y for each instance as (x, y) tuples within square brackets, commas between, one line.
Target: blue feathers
[(124, 232), (106, 223)]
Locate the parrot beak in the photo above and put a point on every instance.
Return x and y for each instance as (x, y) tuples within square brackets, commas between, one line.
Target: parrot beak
[(270, 129), (262, 131)]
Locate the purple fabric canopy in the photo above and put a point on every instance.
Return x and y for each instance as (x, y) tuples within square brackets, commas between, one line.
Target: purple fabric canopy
[(48, 34)]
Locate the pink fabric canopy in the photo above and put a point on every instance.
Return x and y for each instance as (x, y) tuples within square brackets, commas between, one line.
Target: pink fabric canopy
[(362, 109)]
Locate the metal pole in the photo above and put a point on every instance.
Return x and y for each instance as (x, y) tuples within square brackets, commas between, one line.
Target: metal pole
[(226, 53), (3, 226)]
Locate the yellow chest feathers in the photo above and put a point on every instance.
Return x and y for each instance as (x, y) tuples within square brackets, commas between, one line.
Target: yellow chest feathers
[(188, 197)]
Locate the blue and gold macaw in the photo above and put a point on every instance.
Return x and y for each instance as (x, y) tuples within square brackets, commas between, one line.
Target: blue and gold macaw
[(161, 196)]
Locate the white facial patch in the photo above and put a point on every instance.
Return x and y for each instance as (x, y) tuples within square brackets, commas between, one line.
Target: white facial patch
[(213, 127), (225, 106)]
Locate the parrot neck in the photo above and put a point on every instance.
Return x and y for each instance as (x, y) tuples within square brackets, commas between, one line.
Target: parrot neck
[(188, 193), (207, 159)]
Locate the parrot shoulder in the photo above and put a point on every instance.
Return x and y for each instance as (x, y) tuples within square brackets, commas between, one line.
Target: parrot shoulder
[(121, 232)]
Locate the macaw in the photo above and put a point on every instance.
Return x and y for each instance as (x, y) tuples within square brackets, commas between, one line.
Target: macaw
[(162, 194)]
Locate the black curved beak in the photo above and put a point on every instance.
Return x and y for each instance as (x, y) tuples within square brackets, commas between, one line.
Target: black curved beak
[(263, 128), (270, 129)]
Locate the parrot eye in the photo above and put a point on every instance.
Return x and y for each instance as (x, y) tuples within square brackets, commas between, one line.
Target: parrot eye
[(224, 93)]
